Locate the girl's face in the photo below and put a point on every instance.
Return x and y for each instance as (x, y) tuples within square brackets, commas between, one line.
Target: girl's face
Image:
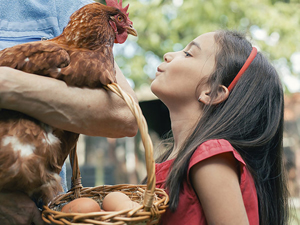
[(177, 78)]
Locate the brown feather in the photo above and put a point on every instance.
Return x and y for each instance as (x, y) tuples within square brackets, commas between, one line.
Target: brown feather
[(32, 153)]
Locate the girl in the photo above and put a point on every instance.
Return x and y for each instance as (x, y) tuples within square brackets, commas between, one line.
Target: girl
[(226, 108)]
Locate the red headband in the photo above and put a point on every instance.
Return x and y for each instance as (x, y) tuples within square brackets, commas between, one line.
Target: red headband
[(244, 68)]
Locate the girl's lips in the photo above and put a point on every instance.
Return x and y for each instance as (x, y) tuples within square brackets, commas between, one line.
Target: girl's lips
[(159, 70)]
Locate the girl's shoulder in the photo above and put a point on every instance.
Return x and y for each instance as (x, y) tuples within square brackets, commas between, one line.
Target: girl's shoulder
[(216, 176), (211, 148)]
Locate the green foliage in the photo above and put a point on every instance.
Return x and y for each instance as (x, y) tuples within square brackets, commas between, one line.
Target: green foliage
[(168, 25)]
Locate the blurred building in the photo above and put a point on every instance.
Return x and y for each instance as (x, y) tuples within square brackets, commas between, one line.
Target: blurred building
[(292, 142)]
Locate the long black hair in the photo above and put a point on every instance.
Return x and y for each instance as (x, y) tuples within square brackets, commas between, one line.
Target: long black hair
[(251, 119)]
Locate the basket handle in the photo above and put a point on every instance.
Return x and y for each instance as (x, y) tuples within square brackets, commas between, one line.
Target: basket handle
[(143, 128), (76, 177)]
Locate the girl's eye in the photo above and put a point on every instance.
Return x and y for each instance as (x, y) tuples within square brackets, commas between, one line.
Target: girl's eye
[(187, 54), (120, 18)]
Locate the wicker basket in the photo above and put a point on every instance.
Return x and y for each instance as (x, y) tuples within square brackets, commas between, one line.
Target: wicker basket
[(153, 200)]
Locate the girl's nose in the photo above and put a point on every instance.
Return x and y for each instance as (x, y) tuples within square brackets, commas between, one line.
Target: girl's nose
[(167, 57)]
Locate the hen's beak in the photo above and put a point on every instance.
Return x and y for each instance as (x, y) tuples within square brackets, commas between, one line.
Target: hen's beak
[(131, 30)]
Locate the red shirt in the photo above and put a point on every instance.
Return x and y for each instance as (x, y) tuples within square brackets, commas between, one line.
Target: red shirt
[(189, 210)]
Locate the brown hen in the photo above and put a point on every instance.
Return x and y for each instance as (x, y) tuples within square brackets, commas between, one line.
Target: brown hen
[(31, 152)]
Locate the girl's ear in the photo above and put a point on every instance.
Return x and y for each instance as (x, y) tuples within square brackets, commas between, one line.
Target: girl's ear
[(222, 95)]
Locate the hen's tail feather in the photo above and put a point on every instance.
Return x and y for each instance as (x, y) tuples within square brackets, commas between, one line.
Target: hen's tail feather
[(31, 168), (28, 174), (50, 189)]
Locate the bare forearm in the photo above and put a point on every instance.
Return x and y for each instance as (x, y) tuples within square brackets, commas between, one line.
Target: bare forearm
[(81, 110)]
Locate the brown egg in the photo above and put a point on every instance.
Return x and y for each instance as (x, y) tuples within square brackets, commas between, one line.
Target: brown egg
[(116, 201), (81, 205), (127, 205)]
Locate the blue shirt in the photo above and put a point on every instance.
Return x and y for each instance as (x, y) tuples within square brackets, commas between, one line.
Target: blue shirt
[(30, 20)]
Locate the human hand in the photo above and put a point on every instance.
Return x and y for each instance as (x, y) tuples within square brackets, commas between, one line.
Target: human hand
[(17, 208)]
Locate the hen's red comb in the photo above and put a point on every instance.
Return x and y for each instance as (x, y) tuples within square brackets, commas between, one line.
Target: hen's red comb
[(118, 5)]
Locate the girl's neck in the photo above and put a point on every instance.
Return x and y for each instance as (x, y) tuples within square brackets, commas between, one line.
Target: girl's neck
[(182, 125)]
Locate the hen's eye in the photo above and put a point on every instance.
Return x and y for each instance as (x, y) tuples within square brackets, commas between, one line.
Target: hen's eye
[(120, 18), (187, 54)]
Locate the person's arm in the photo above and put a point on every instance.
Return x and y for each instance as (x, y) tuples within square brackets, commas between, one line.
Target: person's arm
[(17, 208), (216, 183), (94, 112)]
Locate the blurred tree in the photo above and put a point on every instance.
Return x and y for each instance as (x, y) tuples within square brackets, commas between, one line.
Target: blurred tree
[(168, 25)]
